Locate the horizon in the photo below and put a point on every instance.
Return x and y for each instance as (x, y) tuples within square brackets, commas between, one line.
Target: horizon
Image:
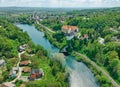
[(61, 3)]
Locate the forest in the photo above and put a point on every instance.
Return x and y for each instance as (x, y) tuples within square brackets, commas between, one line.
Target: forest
[(97, 24), (11, 37)]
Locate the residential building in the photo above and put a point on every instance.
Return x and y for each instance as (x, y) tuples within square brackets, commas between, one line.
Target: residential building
[(25, 63), (26, 69), (13, 72), (70, 31), (35, 74), (2, 63), (22, 48)]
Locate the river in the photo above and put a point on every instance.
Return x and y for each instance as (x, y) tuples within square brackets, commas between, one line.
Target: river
[(80, 75)]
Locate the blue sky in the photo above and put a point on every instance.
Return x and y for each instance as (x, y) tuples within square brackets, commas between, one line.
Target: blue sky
[(60, 3)]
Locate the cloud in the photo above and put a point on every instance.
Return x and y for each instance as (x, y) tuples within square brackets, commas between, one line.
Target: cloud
[(61, 3)]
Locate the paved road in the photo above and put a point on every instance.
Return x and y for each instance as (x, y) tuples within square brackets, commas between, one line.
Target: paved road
[(99, 68), (45, 27)]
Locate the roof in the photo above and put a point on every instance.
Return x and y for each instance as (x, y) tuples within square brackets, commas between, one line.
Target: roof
[(26, 69), (25, 62), (68, 27), (12, 72), (8, 84), (21, 47), (34, 71), (2, 61), (33, 76)]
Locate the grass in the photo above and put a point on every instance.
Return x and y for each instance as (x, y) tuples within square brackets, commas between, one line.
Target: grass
[(48, 78), (25, 74)]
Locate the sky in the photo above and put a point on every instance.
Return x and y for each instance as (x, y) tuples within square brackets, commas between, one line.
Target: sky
[(60, 3)]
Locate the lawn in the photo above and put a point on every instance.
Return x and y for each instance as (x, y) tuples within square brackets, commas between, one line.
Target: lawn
[(48, 78)]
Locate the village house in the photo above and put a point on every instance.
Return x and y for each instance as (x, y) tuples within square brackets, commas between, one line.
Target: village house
[(2, 63), (13, 72), (85, 36), (7, 84), (22, 48), (35, 74), (70, 31), (25, 63), (26, 69)]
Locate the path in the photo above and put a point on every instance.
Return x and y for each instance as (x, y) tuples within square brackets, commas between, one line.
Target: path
[(19, 69), (99, 68), (87, 59), (45, 27)]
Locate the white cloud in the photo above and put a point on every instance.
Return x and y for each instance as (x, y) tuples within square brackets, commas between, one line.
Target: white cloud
[(61, 3)]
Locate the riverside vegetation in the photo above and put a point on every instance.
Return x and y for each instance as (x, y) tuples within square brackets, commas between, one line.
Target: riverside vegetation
[(96, 23), (11, 37)]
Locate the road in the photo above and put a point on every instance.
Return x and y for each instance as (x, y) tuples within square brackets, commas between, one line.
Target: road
[(99, 68), (45, 27), (93, 63), (19, 69)]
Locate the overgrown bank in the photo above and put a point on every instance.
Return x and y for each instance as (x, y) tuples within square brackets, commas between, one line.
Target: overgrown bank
[(11, 38), (102, 79)]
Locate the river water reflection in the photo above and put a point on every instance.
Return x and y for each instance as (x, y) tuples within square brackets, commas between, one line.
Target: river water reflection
[(80, 75)]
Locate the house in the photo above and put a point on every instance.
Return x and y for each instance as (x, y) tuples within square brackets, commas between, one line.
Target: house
[(35, 74), (70, 31), (2, 63), (25, 63), (85, 36), (7, 84), (13, 72), (26, 69), (22, 48)]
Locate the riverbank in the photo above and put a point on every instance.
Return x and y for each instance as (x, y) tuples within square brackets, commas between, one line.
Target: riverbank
[(54, 72), (80, 74), (100, 76), (49, 36)]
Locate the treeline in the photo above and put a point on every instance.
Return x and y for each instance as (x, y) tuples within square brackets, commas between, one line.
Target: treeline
[(105, 55), (10, 39), (98, 25), (103, 23)]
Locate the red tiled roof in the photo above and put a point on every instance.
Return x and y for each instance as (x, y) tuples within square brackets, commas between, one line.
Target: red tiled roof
[(26, 69), (33, 76), (24, 62), (67, 27)]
